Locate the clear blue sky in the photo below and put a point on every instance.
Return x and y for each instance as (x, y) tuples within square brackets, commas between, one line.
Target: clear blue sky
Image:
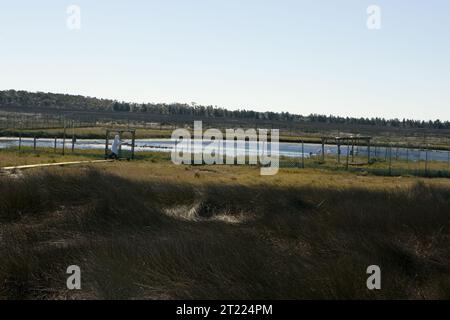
[(304, 57)]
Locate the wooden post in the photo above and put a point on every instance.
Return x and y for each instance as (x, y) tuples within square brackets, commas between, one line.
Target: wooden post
[(303, 154), (64, 139), (418, 161), (353, 150), (106, 144), (34, 144), (20, 139), (407, 155), (390, 160), (348, 150), (73, 144), (339, 152), (323, 150), (133, 139), (55, 145), (73, 136), (448, 159), (426, 161), (368, 151)]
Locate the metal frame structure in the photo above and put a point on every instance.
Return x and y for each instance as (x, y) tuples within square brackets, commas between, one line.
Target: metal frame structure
[(346, 141), (120, 132)]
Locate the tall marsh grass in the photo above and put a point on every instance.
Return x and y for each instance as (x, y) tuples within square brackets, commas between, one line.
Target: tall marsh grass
[(284, 242)]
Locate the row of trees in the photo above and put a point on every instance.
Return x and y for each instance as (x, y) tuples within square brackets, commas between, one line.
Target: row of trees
[(13, 98)]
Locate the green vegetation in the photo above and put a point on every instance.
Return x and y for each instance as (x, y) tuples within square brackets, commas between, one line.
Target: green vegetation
[(98, 132), (165, 132), (46, 114), (61, 102), (159, 231), (378, 167), (149, 229)]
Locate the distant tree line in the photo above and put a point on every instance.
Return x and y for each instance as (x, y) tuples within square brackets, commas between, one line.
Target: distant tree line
[(13, 98)]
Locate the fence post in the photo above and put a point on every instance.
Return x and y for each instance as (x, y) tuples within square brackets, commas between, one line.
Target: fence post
[(106, 144), (323, 150), (390, 160), (348, 151), (418, 162), (448, 159), (64, 139), (20, 140), (448, 156), (353, 150), (34, 144), (54, 147), (339, 152), (407, 155), (73, 136), (303, 155), (133, 140)]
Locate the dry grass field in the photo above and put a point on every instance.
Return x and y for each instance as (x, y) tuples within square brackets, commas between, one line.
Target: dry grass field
[(149, 229)]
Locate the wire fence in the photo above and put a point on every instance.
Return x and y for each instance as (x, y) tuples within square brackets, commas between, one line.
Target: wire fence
[(381, 158)]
